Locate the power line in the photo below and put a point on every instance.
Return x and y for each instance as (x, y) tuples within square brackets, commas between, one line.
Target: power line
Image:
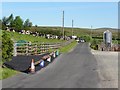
[(91, 32)]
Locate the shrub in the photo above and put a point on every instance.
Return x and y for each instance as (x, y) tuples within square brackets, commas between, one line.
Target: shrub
[(87, 38), (94, 44), (7, 47)]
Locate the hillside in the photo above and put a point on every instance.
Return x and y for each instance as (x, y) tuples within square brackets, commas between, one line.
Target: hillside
[(16, 36), (77, 31), (98, 32)]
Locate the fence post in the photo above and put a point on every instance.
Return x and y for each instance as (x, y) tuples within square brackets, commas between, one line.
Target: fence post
[(27, 48), (15, 49), (35, 52)]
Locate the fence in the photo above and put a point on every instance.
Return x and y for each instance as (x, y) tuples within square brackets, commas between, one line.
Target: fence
[(36, 48)]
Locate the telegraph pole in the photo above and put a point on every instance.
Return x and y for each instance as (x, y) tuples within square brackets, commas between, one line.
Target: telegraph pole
[(63, 25), (72, 27), (91, 32)]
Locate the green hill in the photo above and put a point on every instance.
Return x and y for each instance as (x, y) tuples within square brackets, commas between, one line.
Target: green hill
[(16, 36), (76, 31)]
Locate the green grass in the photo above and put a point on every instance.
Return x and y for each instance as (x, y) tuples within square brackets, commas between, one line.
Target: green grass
[(67, 48), (6, 72), (0, 58), (16, 36)]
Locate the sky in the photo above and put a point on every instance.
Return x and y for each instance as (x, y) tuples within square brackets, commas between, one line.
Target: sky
[(84, 14)]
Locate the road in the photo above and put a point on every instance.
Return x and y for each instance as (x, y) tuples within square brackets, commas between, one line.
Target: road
[(76, 69)]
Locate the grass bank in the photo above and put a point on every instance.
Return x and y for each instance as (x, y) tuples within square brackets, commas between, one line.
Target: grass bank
[(67, 48), (16, 36), (6, 72)]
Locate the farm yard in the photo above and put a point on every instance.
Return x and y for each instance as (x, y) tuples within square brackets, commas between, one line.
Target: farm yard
[(45, 39), (16, 36), (59, 45)]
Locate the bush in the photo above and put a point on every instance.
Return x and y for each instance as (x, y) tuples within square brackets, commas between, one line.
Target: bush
[(94, 44), (87, 38), (7, 47), (95, 47)]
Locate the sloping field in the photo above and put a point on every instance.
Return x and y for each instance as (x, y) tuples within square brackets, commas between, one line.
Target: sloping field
[(16, 36)]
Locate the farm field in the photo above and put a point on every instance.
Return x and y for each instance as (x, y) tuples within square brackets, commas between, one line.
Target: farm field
[(16, 36), (79, 31)]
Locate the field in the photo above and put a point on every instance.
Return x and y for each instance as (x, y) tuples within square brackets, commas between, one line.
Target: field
[(16, 36), (80, 31), (95, 33)]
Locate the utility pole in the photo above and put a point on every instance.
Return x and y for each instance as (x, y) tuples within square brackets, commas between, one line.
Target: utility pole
[(72, 27), (91, 32), (63, 25)]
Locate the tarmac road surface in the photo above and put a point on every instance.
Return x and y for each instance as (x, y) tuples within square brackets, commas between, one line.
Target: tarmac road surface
[(76, 69)]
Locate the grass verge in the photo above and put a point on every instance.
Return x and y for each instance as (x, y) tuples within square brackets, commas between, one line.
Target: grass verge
[(67, 48), (6, 72)]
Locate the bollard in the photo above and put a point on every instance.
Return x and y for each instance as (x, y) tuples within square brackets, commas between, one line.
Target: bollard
[(32, 66)]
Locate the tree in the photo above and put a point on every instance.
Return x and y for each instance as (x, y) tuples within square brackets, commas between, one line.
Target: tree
[(11, 20), (36, 26), (7, 47), (4, 21), (0, 24), (27, 24), (18, 22), (30, 24)]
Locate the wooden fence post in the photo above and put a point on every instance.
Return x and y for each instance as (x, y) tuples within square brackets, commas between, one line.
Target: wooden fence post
[(35, 49), (27, 49), (15, 49)]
